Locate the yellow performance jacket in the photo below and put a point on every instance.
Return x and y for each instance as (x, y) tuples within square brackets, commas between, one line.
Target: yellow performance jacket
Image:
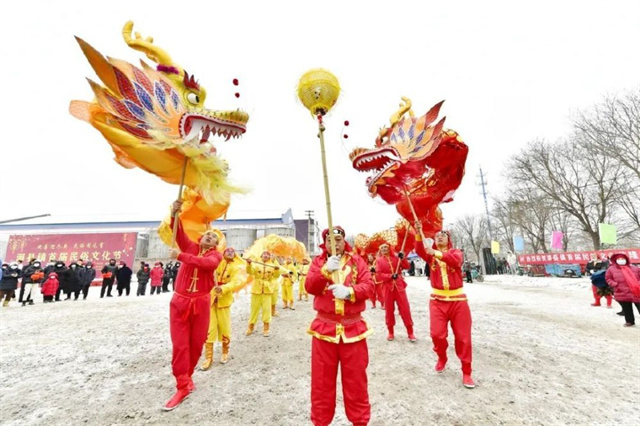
[(289, 274), (231, 277), (264, 277)]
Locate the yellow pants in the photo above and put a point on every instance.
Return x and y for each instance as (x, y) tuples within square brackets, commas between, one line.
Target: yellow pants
[(219, 324), (287, 293), (260, 301), (301, 290), (274, 295)]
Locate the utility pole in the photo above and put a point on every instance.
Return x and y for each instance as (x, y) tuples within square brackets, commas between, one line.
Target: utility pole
[(310, 232), (483, 183), (25, 218)]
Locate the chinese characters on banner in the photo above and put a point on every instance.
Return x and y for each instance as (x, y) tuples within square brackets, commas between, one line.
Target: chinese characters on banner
[(98, 248), (581, 257)]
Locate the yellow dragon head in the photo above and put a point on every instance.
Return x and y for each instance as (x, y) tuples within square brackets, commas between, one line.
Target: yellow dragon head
[(155, 119)]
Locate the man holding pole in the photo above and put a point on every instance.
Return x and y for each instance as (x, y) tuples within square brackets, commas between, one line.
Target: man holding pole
[(341, 284), (389, 273), (189, 308), (264, 275), (448, 302)]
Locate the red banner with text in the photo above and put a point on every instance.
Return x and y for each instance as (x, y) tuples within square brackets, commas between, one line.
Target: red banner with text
[(98, 248), (581, 257)]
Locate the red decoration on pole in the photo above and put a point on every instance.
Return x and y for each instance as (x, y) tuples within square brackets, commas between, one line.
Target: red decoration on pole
[(235, 81), (237, 95), (346, 122)]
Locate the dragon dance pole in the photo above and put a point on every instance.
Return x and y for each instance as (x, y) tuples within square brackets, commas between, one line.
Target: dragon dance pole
[(413, 211), (404, 241), (318, 91), (177, 213)]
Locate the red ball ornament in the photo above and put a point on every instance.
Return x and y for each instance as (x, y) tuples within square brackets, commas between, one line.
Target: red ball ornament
[(237, 95), (235, 81), (345, 136), (346, 122)]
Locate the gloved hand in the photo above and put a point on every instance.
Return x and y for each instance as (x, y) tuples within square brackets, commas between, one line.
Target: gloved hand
[(340, 291), (333, 263), (401, 255), (394, 276)]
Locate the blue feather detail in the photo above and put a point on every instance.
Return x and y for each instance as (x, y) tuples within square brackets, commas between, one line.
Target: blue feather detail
[(412, 131), (144, 97), (160, 96), (393, 137), (401, 133), (175, 99), (134, 109), (419, 139)]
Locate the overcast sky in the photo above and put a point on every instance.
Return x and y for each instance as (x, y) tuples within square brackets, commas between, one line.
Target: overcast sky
[(510, 71)]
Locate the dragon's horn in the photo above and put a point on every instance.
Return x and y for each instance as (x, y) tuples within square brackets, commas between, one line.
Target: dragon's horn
[(405, 106), (147, 47), (433, 113), (100, 65)]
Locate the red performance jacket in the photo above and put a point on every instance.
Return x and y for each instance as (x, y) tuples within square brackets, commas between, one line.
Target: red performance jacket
[(337, 318), (196, 271), (386, 266), (446, 272)]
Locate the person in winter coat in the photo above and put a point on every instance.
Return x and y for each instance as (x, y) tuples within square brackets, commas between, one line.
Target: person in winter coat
[(9, 283), (50, 287), (166, 277), (60, 268), (143, 274), (32, 276), (124, 278), (174, 270), (86, 278), (75, 285), (592, 267), (108, 277), (625, 280), (156, 277)]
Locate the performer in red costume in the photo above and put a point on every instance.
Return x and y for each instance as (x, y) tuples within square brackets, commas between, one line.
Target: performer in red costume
[(395, 289), (378, 292), (341, 285), (448, 302), (189, 308)]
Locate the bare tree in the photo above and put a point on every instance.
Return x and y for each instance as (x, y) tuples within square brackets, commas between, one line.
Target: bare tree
[(582, 185), (473, 230), (504, 217)]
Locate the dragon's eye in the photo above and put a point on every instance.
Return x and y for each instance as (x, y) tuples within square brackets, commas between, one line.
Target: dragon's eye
[(193, 98)]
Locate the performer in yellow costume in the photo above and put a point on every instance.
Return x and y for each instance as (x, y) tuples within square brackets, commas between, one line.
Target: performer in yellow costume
[(303, 270), (279, 261), (265, 275), (289, 275), (229, 278)]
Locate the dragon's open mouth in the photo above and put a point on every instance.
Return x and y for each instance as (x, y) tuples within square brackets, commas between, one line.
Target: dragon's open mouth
[(228, 125), (381, 161)]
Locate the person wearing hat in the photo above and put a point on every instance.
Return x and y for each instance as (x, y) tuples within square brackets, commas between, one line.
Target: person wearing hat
[(108, 277), (341, 283), (303, 269), (190, 305), (86, 278), (448, 303), (11, 273), (289, 275), (389, 272), (229, 278), (265, 275), (625, 280)]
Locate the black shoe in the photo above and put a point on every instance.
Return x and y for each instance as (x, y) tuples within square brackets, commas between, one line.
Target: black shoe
[(108, 295), (621, 313)]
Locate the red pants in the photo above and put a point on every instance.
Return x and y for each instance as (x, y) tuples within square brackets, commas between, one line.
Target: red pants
[(189, 324), (391, 297), (440, 313), (353, 359), (378, 293), (598, 297)]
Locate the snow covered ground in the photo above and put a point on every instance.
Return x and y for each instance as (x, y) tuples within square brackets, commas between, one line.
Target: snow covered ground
[(542, 355)]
